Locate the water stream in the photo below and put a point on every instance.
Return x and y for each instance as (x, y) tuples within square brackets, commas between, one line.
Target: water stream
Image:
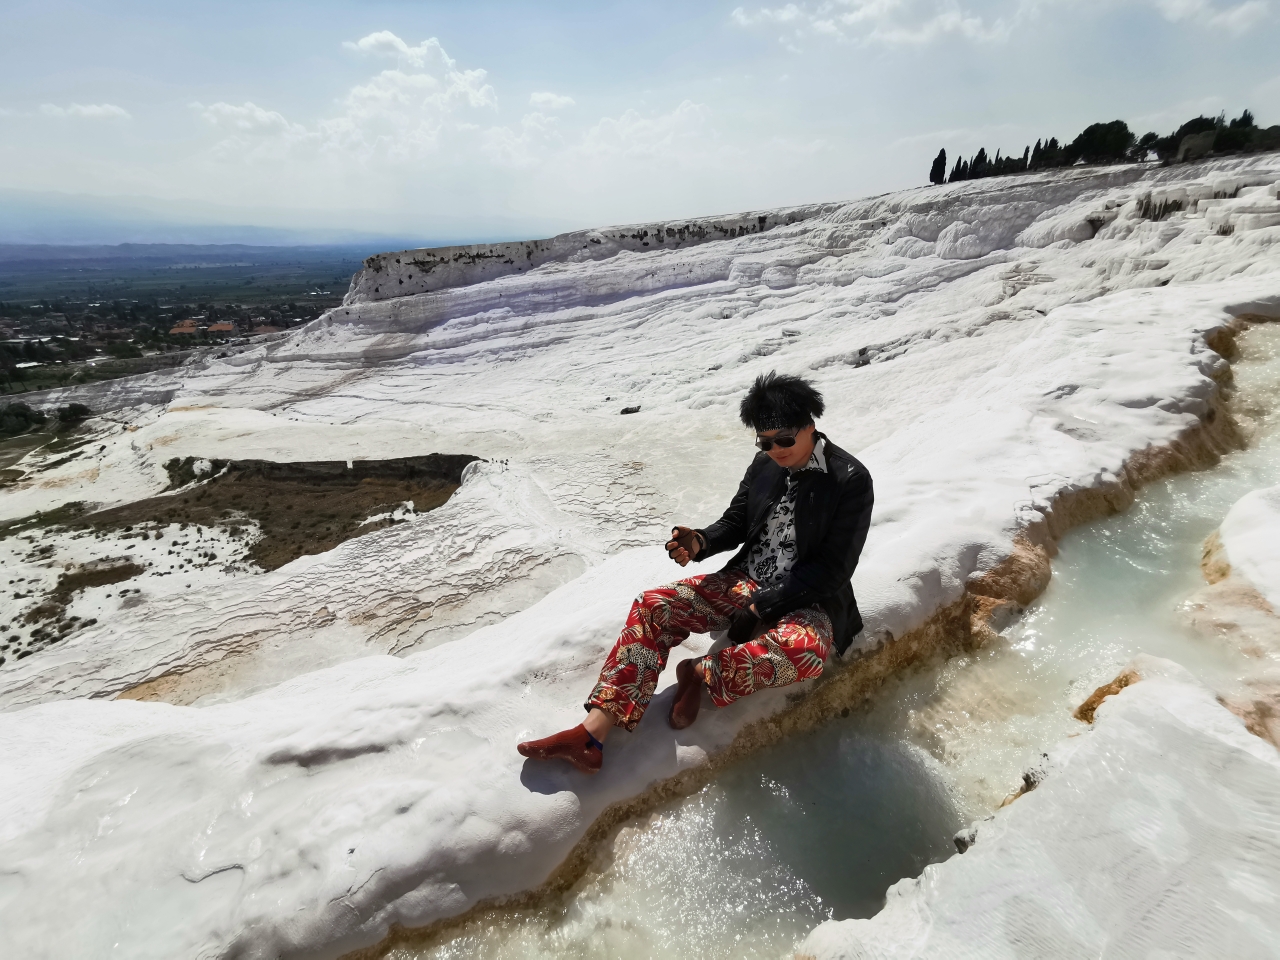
[(821, 825)]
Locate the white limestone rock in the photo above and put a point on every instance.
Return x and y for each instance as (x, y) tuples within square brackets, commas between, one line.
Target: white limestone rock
[(978, 388), (1155, 833), (1250, 535)]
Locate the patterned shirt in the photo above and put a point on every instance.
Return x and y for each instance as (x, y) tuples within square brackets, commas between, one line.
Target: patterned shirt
[(774, 551)]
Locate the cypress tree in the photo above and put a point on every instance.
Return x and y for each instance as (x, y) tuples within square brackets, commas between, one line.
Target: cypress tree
[(938, 174), (1052, 153), (1243, 122), (978, 169)]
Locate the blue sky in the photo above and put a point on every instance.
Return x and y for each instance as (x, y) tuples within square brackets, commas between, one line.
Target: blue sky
[(457, 120)]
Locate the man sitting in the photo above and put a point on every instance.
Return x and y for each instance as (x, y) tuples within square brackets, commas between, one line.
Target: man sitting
[(800, 516)]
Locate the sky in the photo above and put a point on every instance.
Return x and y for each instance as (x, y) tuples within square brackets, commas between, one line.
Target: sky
[(488, 119)]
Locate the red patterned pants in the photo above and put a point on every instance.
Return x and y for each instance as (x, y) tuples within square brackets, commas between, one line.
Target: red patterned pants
[(792, 649)]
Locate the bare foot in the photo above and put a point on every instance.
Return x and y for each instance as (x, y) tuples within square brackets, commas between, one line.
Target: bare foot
[(576, 745), (688, 696)]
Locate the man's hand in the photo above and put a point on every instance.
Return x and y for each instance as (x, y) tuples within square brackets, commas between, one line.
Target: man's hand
[(684, 545), (742, 625)]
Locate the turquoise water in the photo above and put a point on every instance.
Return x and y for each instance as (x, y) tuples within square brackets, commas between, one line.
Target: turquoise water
[(821, 825), (1118, 589), (810, 829)]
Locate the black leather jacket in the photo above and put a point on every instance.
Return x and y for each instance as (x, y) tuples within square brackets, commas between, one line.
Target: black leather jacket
[(833, 514)]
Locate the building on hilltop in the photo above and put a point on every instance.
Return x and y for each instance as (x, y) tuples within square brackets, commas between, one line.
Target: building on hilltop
[(224, 328)]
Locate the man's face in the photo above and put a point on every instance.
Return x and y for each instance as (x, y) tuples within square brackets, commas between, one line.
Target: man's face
[(794, 456)]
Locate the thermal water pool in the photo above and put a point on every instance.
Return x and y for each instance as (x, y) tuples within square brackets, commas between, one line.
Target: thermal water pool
[(1119, 588), (821, 825)]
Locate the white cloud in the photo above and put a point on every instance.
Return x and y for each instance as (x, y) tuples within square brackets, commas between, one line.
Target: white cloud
[(766, 15), (916, 22), (681, 133), (400, 113), (422, 132), (403, 112), (252, 132), (889, 22), (1267, 96), (1235, 18), (633, 134), (1169, 119), (526, 146), (545, 100), (983, 136), (92, 111), (384, 43), (246, 118)]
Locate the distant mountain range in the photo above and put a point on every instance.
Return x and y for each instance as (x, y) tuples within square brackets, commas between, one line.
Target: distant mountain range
[(31, 217), (19, 257)]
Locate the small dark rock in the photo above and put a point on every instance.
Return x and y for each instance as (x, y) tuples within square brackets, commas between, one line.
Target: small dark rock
[(635, 409), (964, 839)]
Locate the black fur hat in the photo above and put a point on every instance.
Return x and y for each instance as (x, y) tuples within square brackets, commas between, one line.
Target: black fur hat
[(780, 401)]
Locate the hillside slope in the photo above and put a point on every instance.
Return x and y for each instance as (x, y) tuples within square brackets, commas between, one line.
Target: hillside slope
[(1007, 356)]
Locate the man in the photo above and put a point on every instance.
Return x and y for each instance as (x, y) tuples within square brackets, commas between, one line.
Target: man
[(800, 517)]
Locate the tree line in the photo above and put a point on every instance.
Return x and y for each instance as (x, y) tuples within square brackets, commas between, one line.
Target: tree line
[(1114, 142)]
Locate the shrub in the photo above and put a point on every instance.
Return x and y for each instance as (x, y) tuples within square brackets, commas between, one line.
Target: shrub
[(1237, 135), (16, 418), (1138, 152), (1167, 147), (74, 413), (124, 350)]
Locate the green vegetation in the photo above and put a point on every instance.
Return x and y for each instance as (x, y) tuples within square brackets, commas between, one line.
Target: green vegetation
[(74, 413), (300, 508), (114, 279), (53, 611), (124, 351), (18, 418), (74, 315), (62, 516), (938, 173), (272, 512), (1114, 143)]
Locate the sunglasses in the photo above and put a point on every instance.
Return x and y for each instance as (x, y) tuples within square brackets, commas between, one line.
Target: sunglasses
[(783, 440)]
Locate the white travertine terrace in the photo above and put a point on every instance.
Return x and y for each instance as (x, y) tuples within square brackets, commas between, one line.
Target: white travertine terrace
[(1155, 833), (1250, 536), (985, 348)]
